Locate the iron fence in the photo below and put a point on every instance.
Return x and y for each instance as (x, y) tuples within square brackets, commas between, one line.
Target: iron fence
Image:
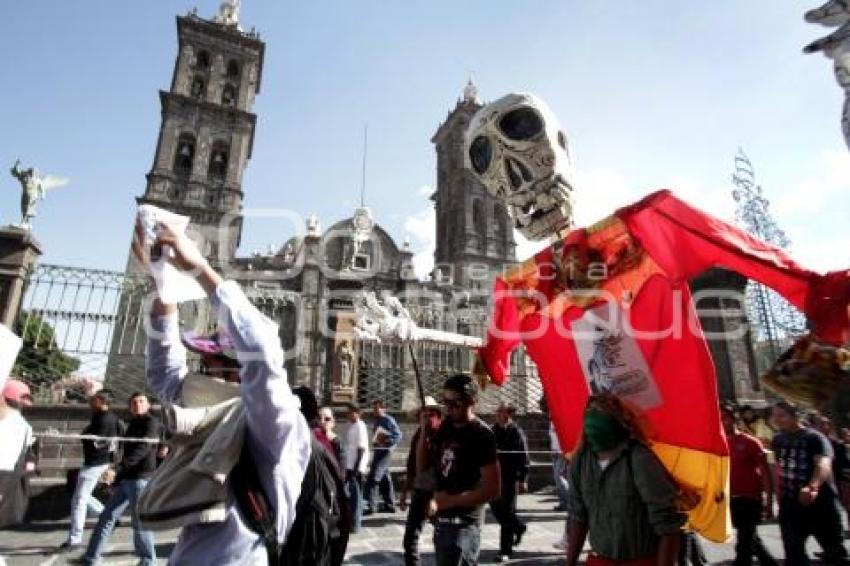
[(83, 327)]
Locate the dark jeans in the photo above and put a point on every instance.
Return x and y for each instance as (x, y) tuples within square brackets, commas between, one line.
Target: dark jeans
[(504, 509), (124, 496), (353, 490), (416, 515), (457, 545), (379, 476), (821, 520), (746, 516)]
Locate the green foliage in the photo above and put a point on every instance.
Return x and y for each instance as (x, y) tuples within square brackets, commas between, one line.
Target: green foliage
[(40, 361)]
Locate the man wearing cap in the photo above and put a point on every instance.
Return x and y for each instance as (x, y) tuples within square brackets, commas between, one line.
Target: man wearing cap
[(17, 440), (242, 405)]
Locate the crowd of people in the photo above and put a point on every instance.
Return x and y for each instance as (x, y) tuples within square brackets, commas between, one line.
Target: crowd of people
[(256, 472)]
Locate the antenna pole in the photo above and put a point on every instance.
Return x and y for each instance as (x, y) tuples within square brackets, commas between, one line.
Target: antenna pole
[(363, 181)]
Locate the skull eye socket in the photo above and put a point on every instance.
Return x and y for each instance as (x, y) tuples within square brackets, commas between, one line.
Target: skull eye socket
[(480, 154), (521, 124)]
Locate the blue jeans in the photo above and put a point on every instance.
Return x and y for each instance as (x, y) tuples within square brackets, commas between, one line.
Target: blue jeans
[(457, 545), (126, 494), (83, 501), (353, 490), (379, 475), (559, 467)]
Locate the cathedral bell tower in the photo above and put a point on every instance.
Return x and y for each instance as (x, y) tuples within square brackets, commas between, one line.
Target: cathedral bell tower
[(207, 128), (474, 233)]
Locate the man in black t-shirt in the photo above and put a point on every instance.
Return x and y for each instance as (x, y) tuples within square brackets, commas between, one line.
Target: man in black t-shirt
[(513, 461), (138, 462), (97, 455), (807, 496), (467, 474)]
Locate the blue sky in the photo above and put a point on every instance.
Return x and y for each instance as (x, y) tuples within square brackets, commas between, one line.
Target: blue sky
[(652, 94)]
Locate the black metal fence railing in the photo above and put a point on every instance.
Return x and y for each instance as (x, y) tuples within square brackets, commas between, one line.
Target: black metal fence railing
[(82, 327)]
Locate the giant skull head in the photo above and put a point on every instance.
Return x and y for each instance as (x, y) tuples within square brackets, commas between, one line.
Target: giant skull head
[(517, 149)]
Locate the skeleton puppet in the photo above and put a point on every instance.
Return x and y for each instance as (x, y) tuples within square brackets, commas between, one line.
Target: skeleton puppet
[(627, 274)]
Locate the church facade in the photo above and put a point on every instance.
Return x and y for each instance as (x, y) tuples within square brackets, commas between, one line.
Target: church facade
[(310, 284)]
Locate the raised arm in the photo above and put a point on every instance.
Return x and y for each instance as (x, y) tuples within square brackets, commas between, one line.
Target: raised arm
[(685, 242), (494, 358), (165, 362)]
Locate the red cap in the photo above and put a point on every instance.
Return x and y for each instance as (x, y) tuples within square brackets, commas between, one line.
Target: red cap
[(17, 391)]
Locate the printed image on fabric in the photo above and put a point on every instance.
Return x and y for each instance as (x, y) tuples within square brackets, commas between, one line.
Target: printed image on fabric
[(447, 462), (611, 359)]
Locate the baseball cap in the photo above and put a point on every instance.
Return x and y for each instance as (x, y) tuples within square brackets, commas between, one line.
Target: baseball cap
[(17, 391)]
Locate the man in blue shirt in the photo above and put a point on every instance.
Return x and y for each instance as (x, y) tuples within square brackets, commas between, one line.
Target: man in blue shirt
[(385, 438)]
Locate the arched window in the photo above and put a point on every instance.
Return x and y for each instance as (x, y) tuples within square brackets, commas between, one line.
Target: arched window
[(228, 95), (185, 154), (498, 226), (203, 61), (199, 87), (478, 220), (218, 160), (232, 69)]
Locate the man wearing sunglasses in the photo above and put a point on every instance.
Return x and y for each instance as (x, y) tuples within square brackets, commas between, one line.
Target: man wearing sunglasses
[(467, 474)]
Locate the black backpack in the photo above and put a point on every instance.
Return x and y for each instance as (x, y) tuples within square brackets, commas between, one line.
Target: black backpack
[(322, 524)]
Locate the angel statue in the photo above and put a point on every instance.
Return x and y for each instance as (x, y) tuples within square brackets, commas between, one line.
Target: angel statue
[(34, 187)]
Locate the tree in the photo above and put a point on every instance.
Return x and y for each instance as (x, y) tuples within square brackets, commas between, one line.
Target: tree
[(40, 361)]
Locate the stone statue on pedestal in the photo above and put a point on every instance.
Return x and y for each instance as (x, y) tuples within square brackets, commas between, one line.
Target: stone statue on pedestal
[(34, 187), (345, 358)]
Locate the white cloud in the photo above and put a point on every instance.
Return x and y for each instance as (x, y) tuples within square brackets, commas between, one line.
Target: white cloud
[(422, 229), (813, 193)]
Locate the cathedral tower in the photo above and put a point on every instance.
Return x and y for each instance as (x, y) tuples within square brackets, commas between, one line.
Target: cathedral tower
[(207, 128), (474, 233)]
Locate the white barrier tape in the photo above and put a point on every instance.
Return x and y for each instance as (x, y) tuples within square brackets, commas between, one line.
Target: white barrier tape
[(70, 436)]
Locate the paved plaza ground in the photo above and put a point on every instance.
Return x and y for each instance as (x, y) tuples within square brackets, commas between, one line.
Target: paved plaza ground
[(379, 543)]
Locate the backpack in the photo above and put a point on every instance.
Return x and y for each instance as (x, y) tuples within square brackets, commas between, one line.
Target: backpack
[(322, 524)]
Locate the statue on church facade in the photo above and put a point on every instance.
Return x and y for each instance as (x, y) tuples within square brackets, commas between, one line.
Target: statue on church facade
[(34, 187), (345, 359), (228, 13)]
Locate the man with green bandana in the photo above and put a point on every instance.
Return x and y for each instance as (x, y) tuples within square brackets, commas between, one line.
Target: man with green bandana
[(621, 497)]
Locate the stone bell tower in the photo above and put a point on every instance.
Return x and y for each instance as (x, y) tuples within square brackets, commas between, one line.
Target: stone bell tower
[(207, 129), (474, 232), (204, 144)]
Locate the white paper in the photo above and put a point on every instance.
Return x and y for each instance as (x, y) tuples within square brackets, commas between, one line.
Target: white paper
[(611, 358), (173, 285), (10, 345)]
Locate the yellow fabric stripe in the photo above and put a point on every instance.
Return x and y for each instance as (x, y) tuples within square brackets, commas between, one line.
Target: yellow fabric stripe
[(707, 476)]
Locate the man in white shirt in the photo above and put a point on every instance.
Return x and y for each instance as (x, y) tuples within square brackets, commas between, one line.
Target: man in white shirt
[(17, 438), (356, 463)]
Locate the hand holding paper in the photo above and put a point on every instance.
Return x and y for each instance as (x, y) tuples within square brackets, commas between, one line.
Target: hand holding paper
[(172, 259)]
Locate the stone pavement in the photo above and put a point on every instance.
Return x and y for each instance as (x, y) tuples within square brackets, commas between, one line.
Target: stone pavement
[(379, 543)]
